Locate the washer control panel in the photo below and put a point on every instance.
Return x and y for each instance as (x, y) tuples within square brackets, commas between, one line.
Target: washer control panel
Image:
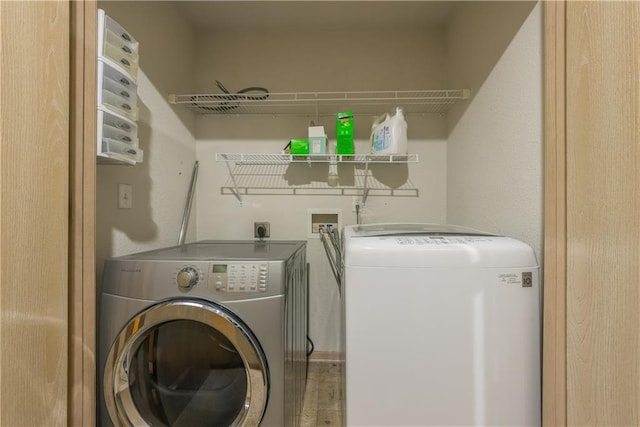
[(239, 276)]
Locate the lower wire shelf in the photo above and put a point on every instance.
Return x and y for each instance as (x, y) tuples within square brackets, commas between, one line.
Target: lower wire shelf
[(285, 159), (357, 175)]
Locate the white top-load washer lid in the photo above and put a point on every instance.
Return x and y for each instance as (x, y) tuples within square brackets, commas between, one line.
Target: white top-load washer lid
[(432, 246), (387, 229)]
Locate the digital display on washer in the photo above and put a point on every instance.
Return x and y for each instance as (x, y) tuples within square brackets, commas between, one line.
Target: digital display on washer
[(220, 268)]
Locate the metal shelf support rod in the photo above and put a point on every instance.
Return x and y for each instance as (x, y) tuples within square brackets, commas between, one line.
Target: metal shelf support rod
[(234, 190), (365, 191)]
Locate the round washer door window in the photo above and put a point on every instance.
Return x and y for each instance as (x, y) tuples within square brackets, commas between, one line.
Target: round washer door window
[(186, 363)]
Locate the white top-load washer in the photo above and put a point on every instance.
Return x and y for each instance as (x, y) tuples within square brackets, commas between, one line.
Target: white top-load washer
[(442, 327)]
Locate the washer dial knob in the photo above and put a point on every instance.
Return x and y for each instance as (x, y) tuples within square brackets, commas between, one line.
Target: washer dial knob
[(187, 278)]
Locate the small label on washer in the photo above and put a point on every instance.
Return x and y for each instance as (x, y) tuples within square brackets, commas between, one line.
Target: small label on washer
[(509, 279), (525, 279)]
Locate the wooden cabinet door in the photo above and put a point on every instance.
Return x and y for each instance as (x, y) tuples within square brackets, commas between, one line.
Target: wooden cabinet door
[(34, 212), (592, 287), (47, 213)]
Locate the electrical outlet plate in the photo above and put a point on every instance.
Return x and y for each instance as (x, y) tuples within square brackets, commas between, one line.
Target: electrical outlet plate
[(256, 227)]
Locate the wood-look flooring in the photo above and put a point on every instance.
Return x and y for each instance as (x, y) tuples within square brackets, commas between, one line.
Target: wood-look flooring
[(323, 399)]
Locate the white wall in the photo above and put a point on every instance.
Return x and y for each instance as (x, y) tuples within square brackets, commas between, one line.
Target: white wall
[(495, 150), (161, 182)]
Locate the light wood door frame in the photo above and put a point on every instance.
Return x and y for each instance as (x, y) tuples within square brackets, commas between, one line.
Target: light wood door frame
[(591, 339), (82, 283), (554, 382)]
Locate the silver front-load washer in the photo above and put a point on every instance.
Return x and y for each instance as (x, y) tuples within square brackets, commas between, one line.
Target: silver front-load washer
[(211, 333)]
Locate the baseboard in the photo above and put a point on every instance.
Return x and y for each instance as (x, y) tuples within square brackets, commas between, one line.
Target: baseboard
[(326, 356)]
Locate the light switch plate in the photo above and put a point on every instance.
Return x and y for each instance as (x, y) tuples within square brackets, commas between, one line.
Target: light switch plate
[(125, 196)]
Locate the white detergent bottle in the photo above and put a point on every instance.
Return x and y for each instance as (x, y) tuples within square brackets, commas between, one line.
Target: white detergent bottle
[(390, 135)]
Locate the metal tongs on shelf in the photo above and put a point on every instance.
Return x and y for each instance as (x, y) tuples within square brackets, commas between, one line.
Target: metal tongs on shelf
[(331, 241)]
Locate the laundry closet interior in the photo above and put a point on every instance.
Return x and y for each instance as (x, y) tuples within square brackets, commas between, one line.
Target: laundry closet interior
[(474, 71)]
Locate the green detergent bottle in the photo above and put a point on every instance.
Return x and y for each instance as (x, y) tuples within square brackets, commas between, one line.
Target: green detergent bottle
[(344, 133)]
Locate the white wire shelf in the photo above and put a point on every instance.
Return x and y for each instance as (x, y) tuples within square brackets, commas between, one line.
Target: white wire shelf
[(271, 159), (272, 180), (286, 174), (322, 104)]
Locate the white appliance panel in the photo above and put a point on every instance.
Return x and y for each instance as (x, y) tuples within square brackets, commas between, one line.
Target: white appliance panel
[(437, 341)]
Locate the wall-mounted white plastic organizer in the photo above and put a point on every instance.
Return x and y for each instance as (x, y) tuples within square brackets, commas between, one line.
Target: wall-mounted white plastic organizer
[(117, 94), (117, 45), (121, 152), (120, 123), (117, 138), (118, 128), (114, 95)]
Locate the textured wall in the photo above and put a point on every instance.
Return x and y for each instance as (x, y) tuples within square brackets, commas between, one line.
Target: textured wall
[(494, 157), (161, 182)]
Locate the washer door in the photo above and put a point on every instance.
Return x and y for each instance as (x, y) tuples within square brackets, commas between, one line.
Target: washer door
[(186, 363)]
